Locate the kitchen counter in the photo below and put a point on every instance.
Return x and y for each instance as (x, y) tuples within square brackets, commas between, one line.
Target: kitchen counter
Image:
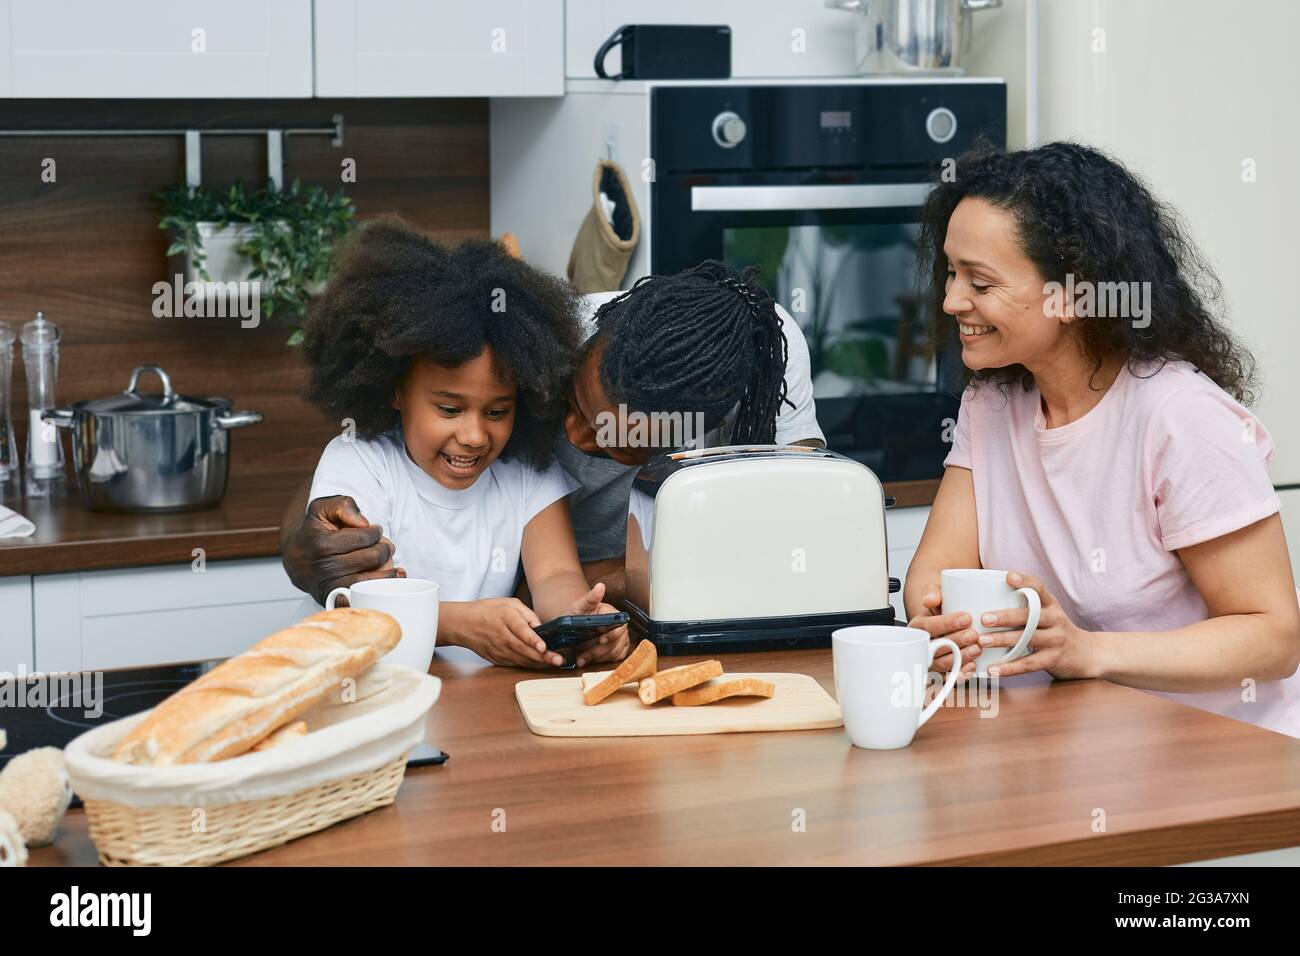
[(69, 538), (1080, 772), (245, 525)]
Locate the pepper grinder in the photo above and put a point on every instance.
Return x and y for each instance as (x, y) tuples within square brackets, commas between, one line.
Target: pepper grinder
[(8, 445), (45, 474)]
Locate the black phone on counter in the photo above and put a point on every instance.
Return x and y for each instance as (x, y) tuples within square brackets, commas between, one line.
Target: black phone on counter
[(573, 633)]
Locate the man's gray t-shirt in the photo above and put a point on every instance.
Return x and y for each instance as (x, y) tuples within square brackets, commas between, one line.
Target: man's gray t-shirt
[(599, 505)]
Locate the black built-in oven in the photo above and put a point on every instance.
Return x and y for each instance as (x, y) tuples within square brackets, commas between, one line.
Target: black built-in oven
[(821, 187)]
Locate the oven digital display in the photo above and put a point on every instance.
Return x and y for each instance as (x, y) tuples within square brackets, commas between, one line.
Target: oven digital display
[(836, 119)]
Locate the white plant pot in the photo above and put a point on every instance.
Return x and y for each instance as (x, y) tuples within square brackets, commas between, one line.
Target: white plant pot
[(223, 261)]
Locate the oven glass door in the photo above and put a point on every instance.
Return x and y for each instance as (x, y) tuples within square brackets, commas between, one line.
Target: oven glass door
[(841, 259)]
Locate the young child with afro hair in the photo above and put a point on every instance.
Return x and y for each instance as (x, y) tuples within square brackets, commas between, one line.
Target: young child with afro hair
[(448, 369)]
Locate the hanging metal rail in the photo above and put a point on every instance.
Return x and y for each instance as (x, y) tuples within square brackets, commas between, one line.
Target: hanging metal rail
[(193, 148)]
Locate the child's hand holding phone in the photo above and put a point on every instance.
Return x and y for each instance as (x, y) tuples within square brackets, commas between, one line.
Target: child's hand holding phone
[(612, 645), (499, 629)]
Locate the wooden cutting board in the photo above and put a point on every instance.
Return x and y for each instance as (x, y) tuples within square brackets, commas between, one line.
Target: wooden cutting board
[(553, 707)]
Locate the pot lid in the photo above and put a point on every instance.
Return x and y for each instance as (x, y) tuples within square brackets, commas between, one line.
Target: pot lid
[(132, 401)]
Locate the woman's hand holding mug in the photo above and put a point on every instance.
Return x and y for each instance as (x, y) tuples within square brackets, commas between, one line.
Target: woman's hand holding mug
[(1059, 646)]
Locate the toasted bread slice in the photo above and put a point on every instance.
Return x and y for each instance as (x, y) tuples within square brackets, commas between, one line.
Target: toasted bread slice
[(593, 678), (722, 687), (640, 663), (666, 683)]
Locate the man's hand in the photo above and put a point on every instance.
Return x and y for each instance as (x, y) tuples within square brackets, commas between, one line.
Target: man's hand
[(335, 546)]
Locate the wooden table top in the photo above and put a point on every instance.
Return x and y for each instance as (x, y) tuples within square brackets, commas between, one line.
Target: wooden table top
[(1034, 784)]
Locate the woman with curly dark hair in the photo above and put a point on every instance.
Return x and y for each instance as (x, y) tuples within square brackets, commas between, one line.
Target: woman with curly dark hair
[(1101, 454), (449, 370)]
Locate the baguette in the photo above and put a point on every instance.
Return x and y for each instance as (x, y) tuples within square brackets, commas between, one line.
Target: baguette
[(639, 664), (282, 736), (723, 687), (666, 683), (228, 710)]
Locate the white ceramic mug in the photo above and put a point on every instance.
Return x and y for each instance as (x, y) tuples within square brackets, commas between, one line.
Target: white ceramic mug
[(413, 602), (880, 677), (976, 590)]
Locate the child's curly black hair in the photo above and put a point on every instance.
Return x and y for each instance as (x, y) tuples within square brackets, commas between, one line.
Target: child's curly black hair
[(395, 295)]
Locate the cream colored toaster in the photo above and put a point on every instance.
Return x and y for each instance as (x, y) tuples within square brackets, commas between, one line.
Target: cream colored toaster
[(755, 547)]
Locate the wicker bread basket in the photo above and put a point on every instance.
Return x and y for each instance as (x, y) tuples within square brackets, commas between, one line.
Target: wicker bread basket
[(352, 759)]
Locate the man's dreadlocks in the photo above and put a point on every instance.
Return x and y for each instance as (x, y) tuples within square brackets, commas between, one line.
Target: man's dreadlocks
[(704, 340)]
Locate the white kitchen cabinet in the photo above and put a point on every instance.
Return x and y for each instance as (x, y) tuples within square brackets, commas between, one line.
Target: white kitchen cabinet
[(153, 615), (449, 48), (155, 48), (903, 528), (16, 624)]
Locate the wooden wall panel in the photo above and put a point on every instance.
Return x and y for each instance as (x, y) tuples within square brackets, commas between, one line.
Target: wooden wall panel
[(86, 249)]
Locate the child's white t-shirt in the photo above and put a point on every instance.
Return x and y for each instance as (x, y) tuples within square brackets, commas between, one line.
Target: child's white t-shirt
[(468, 541)]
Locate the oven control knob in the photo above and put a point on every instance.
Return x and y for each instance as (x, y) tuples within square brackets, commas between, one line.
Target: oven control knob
[(941, 124), (728, 130)]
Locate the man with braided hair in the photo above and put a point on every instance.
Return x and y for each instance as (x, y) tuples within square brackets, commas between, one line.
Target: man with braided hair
[(707, 340), (708, 343)]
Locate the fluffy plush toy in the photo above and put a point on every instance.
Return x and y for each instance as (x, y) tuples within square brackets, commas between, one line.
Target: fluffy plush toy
[(34, 795), (13, 852)]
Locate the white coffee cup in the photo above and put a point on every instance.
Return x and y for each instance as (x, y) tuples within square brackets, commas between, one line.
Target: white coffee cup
[(976, 590), (413, 602), (880, 677)]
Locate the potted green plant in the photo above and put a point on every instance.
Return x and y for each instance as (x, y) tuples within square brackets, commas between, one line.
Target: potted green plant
[(283, 238)]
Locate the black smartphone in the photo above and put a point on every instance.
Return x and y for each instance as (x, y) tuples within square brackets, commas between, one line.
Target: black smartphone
[(424, 754), (575, 632)]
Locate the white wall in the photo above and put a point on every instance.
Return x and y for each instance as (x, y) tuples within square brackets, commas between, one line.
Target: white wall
[(1184, 92), (999, 47)]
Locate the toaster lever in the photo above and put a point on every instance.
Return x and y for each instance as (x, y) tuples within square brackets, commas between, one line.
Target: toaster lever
[(895, 585)]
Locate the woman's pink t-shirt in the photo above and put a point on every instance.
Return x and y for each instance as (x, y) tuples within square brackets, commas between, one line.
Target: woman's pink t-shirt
[(1097, 508)]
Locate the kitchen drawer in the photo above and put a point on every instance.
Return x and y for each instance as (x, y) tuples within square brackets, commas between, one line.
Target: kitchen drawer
[(176, 587), (16, 649), (128, 640), (904, 527), (899, 561), (103, 619)]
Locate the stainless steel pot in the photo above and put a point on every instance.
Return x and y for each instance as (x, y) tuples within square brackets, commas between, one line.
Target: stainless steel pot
[(134, 452), (912, 36)]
